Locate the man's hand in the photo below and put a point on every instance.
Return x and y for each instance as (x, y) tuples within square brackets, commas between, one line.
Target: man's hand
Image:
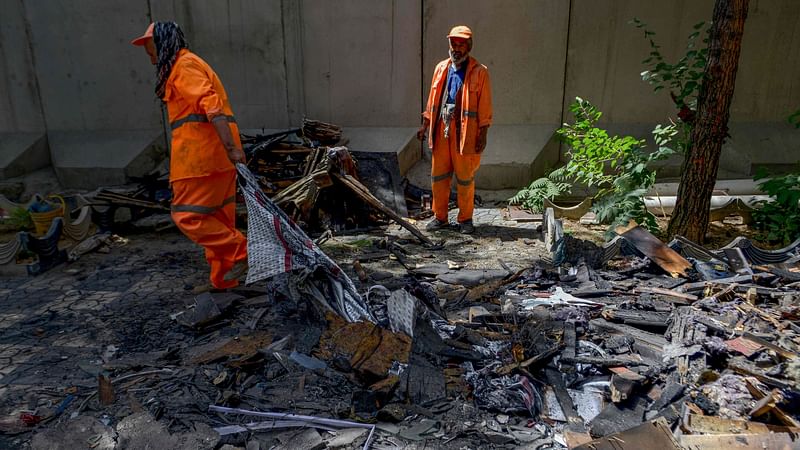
[(236, 155), (422, 130), (480, 145)]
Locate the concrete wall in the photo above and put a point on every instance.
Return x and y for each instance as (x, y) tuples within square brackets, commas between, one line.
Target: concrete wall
[(361, 61), (605, 54), (348, 62), (243, 41), (89, 76), (522, 42), (20, 109), (368, 63), (768, 80)]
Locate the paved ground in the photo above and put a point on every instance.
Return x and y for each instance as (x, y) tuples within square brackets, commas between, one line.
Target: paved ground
[(57, 329)]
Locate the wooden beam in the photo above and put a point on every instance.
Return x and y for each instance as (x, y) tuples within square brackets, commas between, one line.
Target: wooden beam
[(362, 192)]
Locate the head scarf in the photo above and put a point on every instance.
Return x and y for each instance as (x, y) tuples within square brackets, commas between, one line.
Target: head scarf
[(169, 40)]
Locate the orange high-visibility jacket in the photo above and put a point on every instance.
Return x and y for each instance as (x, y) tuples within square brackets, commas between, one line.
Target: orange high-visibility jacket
[(476, 103), (195, 95)]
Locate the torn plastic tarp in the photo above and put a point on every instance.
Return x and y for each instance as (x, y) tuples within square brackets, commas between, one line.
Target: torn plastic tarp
[(279, 251)]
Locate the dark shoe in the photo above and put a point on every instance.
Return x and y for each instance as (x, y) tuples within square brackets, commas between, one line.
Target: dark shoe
[(200, 288), (467, 227), (238, 270), (207, 287), (436, 224)]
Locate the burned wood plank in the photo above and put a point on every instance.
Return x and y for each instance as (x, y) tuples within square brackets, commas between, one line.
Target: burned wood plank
[(621, 388), (743, 367), (742, 434), (574, 421), (125, 200), (637, 317), (665, 257), (570, 342), (640, 335), (768, 402), (370, 199), (666, 293), (701, 285), (739, 441), (105, 390), (623, 382), (608, 362), (507, 369), (618, 417), (649, 435), (765, 343)]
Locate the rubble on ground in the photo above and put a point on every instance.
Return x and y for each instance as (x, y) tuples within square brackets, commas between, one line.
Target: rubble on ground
[(635, 344)]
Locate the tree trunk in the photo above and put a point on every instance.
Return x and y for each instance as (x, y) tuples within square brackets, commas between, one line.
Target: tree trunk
[(699, 170)]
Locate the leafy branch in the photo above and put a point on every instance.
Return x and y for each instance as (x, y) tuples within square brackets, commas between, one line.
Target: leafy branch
[(617, 166)]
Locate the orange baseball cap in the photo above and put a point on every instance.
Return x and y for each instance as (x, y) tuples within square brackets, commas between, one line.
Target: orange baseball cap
[(460, 31), (148, 34)]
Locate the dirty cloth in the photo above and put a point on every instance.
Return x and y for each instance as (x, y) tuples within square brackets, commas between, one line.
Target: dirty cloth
[(506, 394), (279, 251)]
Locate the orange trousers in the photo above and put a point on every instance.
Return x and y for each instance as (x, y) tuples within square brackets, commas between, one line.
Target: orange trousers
[(445, 161), (204, 209)]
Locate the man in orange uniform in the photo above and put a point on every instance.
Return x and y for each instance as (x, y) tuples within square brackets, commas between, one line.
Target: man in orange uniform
[(457, 119), (205, 147)]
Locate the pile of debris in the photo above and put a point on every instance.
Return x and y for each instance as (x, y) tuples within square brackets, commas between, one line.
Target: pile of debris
[(649, 350), (635, 344), (658, 349)]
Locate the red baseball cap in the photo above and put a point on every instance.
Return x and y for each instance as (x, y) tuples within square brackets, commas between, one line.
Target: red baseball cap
[(148, 34), (460, 31)]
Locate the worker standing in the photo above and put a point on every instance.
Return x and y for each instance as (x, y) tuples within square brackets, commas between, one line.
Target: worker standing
[(205, 146), (456, 119)]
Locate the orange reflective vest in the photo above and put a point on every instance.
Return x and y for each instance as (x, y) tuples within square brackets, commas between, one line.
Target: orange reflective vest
[(476, 103), (194, 95)]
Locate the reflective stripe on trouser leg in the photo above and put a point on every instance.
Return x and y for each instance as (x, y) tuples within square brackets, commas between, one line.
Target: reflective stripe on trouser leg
[(215, 231), (441, 171), (465, 167)]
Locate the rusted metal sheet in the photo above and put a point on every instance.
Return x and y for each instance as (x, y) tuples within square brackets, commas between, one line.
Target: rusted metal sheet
[(666, 258)]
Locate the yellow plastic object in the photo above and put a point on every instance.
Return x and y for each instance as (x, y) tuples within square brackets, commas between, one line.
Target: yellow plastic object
[(42, 221)]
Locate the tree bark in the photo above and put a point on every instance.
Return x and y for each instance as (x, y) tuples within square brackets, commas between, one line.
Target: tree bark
[(699, 170)]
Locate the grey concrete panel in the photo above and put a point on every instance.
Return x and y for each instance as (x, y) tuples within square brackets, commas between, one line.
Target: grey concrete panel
[(522, 42), (774, 145), (243, 41), (22, 153), (606, 52), (87, 160), (20, 109), (90, 76), (768, 79), (361, 62), (400, 140), (516, 154)]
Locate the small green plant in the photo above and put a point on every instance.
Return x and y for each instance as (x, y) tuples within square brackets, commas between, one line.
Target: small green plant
[(19, 219), (532, 197), (779, 218), (794, 119), (682, 79), (616, 166)]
